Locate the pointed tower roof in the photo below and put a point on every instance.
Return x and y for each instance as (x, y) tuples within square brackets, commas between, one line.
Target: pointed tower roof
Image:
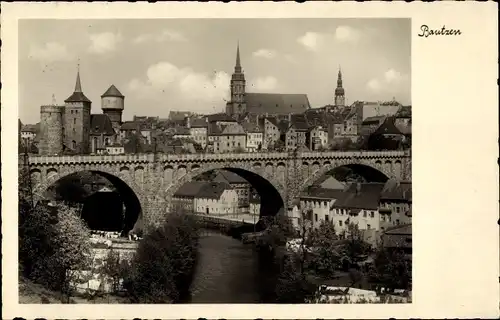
[(113, 92), (339, 90), (237, 67), (78, 95)]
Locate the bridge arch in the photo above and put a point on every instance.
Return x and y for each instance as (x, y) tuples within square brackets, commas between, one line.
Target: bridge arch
[(130, 192), (378, 171), (269, 186)]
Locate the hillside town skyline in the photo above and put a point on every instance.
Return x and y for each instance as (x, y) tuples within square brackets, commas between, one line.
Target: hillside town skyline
[(303, 62)]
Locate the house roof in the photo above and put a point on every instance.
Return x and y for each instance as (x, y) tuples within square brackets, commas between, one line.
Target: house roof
[(223, 117), (178, 115), (212, 190), (387, 127), (299, 122), (374, 120), (190, 189), (129, 125), (229, 177), (367, 197), (276, 103), (77, 97), (198, 122), (233, 129), (214, 129), (100, 124), (323, 193), (397, 190), (251, 127), (112, 92), (273, 120)]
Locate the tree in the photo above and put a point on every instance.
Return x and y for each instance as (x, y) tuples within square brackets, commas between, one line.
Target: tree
[(54, 247), (163, 267), (355, 248), (392, 268), (325, 257), (112, 268), (293, 285)]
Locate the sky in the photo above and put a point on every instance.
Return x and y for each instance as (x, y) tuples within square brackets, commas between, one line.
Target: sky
[(161, 65)]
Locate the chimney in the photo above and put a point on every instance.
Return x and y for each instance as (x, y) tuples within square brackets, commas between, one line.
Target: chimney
[(289, 117)]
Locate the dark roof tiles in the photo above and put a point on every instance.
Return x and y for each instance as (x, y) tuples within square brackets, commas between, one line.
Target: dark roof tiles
[(100, 124), (112, 92), (276, 103)]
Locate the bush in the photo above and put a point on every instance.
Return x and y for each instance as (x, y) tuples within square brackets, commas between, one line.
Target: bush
[(54, 245), (164, 265)]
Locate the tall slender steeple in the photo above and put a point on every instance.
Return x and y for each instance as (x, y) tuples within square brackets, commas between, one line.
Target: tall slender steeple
[(237, 104), (339, 91), (339, 78), (237, 67), (78, 85)]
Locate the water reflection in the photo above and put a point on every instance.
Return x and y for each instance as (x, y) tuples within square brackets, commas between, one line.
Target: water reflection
[(231, 272)]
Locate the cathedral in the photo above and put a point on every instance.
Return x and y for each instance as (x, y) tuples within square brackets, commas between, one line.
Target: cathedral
[(261, 104), (278, 105), (72, 128)]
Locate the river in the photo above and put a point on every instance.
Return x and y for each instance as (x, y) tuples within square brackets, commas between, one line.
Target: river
[(229, 271)]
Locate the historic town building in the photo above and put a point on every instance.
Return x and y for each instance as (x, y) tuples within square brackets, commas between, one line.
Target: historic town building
[(261, 104)]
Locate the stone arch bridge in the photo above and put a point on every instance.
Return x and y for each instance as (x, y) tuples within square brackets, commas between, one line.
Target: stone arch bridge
[(154, 178)]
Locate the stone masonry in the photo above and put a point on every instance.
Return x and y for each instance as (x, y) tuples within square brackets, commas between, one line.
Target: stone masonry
[(155, 178)]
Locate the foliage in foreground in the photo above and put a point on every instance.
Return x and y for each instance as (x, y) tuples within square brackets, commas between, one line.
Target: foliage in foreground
[(53, 246), (164, 265)]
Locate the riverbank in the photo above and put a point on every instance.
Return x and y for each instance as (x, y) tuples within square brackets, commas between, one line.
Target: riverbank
[(32, 293)]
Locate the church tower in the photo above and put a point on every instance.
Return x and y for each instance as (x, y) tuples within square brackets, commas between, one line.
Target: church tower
[(237, 105), (77, 120), (339, 91)]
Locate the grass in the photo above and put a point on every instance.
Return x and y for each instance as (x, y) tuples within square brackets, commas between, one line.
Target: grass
[(32, 293)]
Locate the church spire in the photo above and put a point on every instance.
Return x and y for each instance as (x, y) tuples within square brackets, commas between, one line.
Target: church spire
[(78, 85), (339, 78), (237, 67)]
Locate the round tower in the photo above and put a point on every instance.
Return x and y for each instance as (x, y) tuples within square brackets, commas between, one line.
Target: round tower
[(51, 130), (112, 105)]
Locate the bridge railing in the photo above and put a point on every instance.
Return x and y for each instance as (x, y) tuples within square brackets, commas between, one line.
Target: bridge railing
[(210, 156)]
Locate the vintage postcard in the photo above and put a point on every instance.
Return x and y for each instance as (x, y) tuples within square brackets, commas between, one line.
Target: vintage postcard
[(249, 160)]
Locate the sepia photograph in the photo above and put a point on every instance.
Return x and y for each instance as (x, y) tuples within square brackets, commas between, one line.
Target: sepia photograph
[(249, 160), (162, 163)]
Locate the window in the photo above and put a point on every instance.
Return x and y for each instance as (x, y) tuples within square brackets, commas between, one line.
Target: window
[(397, 222), (397, 209), (340, 223), (74, 121), (364, 214), (368, 226), (315, 217), (372, 214), (327, 218)]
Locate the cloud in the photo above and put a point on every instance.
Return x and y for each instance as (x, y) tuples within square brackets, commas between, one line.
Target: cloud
[(390, 83), (265, 53), (50, 52), (393, 76), (167, 35), (104, 42), (264, 84), (374, 85), (311, 40), (347, 34), (200, 91)]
